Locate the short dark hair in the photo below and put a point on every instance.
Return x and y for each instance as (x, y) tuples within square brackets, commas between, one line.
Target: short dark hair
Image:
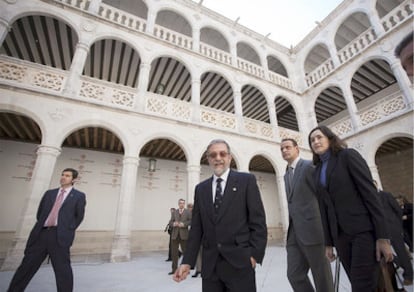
[(405, 41), (74, 172), (290, 139), (335, 143)]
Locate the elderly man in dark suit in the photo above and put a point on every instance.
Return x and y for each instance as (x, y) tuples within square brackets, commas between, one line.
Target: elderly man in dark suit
[(305, 242), (229, 221), (60, 212)]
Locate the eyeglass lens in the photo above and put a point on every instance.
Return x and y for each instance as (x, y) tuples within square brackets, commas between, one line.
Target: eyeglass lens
[(214, 154)]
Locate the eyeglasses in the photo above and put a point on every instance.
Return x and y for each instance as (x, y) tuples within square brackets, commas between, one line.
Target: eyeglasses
[(213, 155)]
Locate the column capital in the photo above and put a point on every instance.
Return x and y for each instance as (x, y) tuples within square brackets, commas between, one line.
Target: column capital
[(131, 160), (48, 150), (193, 168)]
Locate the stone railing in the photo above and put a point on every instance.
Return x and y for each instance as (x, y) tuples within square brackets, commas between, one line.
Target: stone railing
[(107, 92), (397, 15), (173, 37), (320, 72), (168, 107), (30, 75), (250, 68), (217, 119), (280, 80), (287, 133), (80, 4), (121, 17), (383, 109), (373, 114), (258, 128), (365, 40), (215, 54)]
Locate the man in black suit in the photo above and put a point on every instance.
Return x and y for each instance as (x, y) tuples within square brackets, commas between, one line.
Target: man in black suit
[(305, 242), (60, 212), (393, 214), (229, 221)]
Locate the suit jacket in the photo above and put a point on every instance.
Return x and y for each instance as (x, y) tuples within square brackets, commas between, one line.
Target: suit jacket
[(393, 214), (304, 215), (351, 202), (70, 216), (237, 232), (184, 218)]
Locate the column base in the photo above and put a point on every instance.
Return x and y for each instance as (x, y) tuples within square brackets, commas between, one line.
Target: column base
[(121, 249), (14, 255)]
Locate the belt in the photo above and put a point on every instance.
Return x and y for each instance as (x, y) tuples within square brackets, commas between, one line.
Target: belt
[(49, 227)]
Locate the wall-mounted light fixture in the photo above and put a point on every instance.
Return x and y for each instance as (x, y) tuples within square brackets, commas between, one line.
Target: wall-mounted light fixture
[(160, 89), (152, 164)]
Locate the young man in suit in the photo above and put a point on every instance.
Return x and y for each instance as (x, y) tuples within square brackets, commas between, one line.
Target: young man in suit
[(305, 241), (229, 222), (60, 212), (180, 220)]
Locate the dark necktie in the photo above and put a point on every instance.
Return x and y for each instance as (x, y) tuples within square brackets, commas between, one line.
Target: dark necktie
[(219, 197), (290, 178)]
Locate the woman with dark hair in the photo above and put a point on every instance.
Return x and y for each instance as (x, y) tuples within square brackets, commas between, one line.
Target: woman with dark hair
[(352, 214)]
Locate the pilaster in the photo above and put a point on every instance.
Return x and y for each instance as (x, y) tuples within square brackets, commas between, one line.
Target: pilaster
[(121, 245), (39, 183)]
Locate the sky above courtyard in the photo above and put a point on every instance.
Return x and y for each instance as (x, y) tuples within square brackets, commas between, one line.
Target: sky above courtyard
[(287, 21)]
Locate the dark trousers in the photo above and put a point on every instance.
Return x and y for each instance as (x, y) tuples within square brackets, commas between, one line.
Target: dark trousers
[(402, 259), (226, 278), (357, 254), (175, 244), (35, 254)]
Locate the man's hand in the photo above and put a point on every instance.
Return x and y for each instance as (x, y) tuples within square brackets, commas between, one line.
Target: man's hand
[(181, 273), (384, 248), (329, 253)]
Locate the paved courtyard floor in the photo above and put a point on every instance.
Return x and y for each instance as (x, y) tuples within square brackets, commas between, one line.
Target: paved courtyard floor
[(148, 271)]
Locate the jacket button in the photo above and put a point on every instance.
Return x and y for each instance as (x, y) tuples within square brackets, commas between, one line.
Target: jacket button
[(218, 245)]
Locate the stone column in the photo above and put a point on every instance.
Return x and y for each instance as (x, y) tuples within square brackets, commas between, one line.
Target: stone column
[(334, 54), (280, 182), (403, 81), (233, 52), (39, 183), (121, 245), (94, 6), (376, 22), (193, 173), (143, 80), (375, 174), (4, 30), (352, 109), (195, 100), (273, 120), (150, 22), (73, 83), (238, 110), (196, 39)]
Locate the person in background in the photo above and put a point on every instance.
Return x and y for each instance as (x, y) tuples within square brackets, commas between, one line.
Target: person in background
[(407, 217), (229, 221), (305, 242), (404, 51), (180, 221), (352, 213), (394, 221), (168, 229), (60, 212)]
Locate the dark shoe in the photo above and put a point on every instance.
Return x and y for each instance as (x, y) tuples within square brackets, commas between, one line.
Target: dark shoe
[(168, 260), (195, 275), (408, 282), (170, 273)]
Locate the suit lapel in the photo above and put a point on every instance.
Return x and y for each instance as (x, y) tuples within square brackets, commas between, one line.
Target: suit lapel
[(207, 197)]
